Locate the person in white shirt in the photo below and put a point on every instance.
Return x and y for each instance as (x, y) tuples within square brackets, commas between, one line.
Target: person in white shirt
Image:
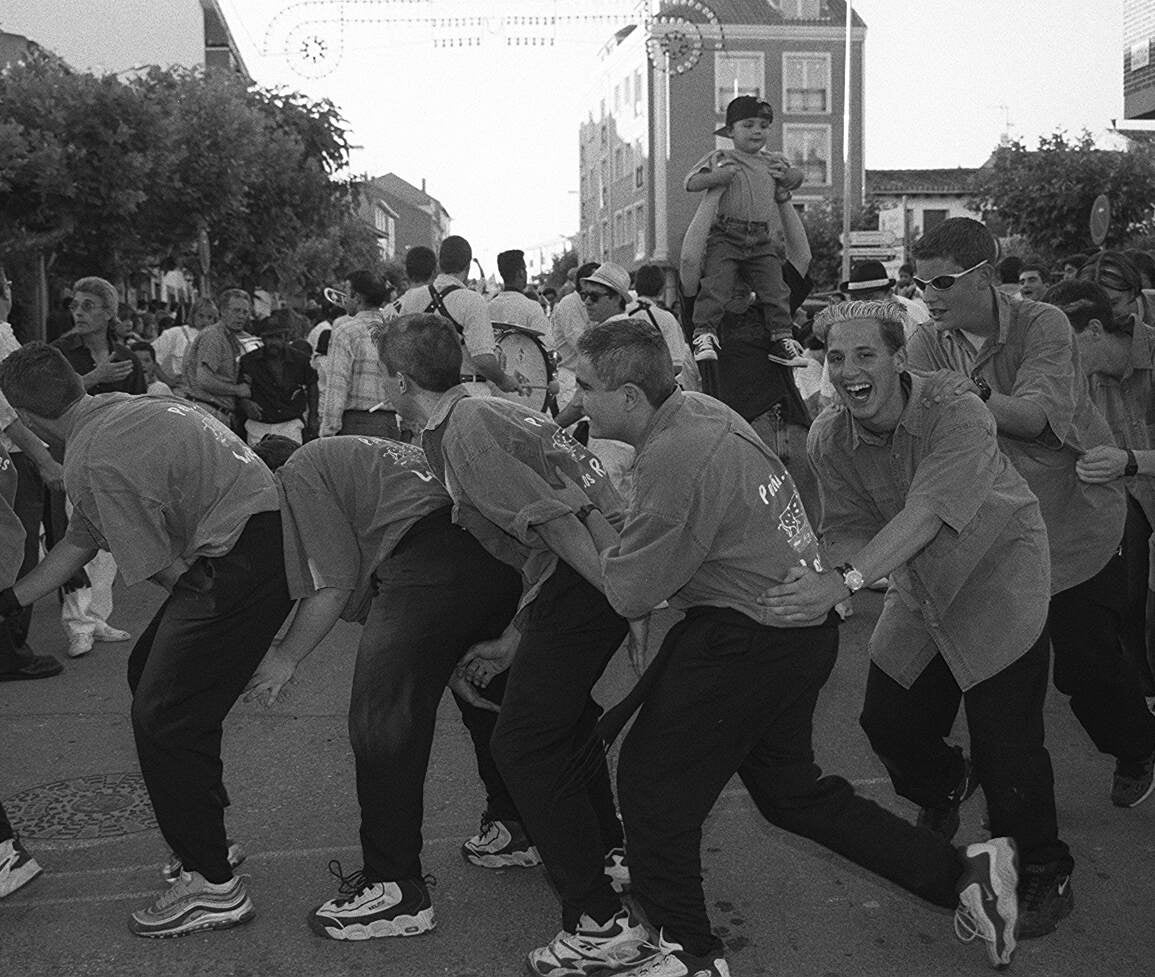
[(511, 304), (568, 322), (170, 347)]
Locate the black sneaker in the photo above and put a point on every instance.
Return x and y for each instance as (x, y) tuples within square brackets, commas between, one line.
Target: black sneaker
[(944, 821), (367, 910), (1134, 781), (500, 844), (988, 899), (1045, 897), (706, 347)]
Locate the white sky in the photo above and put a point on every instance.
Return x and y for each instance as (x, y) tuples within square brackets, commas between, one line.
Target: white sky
[(494, 130)]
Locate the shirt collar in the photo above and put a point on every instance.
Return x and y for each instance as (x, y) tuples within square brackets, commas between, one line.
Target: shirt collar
[(445, 405), (663, 416), (913, 416)]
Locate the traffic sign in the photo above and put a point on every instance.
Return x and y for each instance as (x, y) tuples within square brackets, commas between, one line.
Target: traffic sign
[(877, 254), (872, 239), (1100, 219)]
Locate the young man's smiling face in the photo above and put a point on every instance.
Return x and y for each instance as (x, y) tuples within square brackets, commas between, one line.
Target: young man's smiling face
[(866, 374)]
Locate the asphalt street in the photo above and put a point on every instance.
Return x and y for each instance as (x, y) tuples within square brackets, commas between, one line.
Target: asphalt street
[(782, 905)]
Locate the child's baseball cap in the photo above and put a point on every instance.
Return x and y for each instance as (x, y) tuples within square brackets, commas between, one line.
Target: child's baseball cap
[(745, 107)]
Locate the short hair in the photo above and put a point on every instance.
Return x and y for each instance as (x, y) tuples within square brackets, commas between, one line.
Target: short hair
[(233, 293), (423, 346), (101, 287), (38, 378), (280, 321), (1114, 270), (584, 271), (963, 240), (549, 292), (140, 346), (1032, 264), (274, 450), (1076, 261), (454, 255), (510, 264), (630, 351), (1081, 301), (649, 280), (204, 302), (1143, 262), (420, 263), (1009, 269), (890, 316), (375, 291), (906, 268)]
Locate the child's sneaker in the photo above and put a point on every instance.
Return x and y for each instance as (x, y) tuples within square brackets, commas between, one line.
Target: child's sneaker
[(609, 948), (500, 844), (706, 347), (193, 904), (17, 867), (787, 352), (366, 910), (988, 899)]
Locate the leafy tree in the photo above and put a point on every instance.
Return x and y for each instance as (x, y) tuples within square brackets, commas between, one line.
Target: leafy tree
[(823, 223), (562, 263), (1046, 194)]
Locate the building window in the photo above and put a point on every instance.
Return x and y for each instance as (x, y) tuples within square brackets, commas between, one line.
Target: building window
[(931, 218), (806, 84), (619, 237), (639, 166), (799, 9), (1140, 54), (619, 163), (737, 73), (386, 228), (640, 233), (808, 147), (604, 183), (617, 97), (605, 241), (637, 93)]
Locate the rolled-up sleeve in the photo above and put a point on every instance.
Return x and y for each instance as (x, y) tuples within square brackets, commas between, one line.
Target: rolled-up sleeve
[(320, 546), (476, 326), (134, 530), (655, 558), (1046, 375)]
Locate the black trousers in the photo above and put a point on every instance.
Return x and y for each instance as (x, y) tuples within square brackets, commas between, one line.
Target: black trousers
[(737, 697), (186, 671), (1092, 668), (437, 594), (547, 716), (1136, 557), (29, 508), (907, 729)]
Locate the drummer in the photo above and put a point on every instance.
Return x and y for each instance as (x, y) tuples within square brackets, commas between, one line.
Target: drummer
[(511, 305), (448, 295)]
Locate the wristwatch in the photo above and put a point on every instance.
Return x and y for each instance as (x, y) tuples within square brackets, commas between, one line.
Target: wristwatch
[(984, 388), (1132, 466), (851, 577)]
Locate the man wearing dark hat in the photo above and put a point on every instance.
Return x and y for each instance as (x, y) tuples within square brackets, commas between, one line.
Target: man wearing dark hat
[(869, 281), (282, 382), (511, 304), (746, 238)]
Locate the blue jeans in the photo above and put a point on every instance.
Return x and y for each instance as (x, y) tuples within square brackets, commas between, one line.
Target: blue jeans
[(735, 254)]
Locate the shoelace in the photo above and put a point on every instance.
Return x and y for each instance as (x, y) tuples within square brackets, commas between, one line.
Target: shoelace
[(488, 827), (965, 927), (350, 886)]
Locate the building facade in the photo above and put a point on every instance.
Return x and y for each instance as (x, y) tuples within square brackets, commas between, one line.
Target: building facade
[(116, 38), (657, 96), (1138, 66), (913, 202), (403, 215)]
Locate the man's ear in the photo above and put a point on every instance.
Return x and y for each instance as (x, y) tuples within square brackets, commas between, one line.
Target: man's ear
[(635, 396)]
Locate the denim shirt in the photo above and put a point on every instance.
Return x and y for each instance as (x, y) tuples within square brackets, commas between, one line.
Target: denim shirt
[(1033, 357), (500, 463), (715, 519), (978, 592)]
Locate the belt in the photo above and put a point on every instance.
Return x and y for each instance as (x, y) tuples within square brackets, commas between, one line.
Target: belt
[(209, 403), (734, 221), (470, 378)]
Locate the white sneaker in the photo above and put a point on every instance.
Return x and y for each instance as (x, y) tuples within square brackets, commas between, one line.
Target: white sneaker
[(787, 352), (105, 632), (367, 910), (193, 904), (17, 867), (79, 644), (988, 900), (706, 347), (671, 960), (500, 844), (610, 948)]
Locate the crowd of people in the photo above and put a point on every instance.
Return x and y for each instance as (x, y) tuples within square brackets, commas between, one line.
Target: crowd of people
[(980, 452)]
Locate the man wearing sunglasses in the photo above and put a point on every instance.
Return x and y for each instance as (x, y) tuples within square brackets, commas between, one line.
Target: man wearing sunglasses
[(1018, 356)]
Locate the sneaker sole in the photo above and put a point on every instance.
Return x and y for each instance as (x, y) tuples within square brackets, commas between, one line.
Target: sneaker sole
[(1138, 801), (1006, 904), (20, 877), (796, 362), (415, 925), (197, 921), (522, 859)]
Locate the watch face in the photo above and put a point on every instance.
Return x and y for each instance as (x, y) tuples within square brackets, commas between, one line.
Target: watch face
[(853, 580)]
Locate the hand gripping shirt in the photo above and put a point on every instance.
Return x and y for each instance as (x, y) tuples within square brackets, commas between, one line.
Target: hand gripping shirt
[(977, 593), (715, 519), (346, 502), (750, 195), (1033, 356), (154, 479), (499, 462)]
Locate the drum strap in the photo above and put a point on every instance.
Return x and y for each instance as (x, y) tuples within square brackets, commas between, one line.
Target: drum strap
[(437, 304), (642, 307)]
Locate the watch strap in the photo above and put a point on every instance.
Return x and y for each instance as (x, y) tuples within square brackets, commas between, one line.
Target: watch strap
[(1132, 466)]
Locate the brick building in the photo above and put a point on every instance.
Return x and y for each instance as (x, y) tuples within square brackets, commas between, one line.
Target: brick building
[(402, 215), (1138, 66)]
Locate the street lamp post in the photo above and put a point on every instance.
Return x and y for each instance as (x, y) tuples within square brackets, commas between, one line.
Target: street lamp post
[(846, 184)]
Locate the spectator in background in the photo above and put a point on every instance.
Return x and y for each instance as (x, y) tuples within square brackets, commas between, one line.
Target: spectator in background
[(212, 363), (144, 352), (1033, 280), (1122, 282), (511, 304), (906, 286), (60, 319), (171, 346), (549, 294), (1145, 264), (1008, 271), (355, 398), (1071, 264), (569, 321), (283, 384)]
